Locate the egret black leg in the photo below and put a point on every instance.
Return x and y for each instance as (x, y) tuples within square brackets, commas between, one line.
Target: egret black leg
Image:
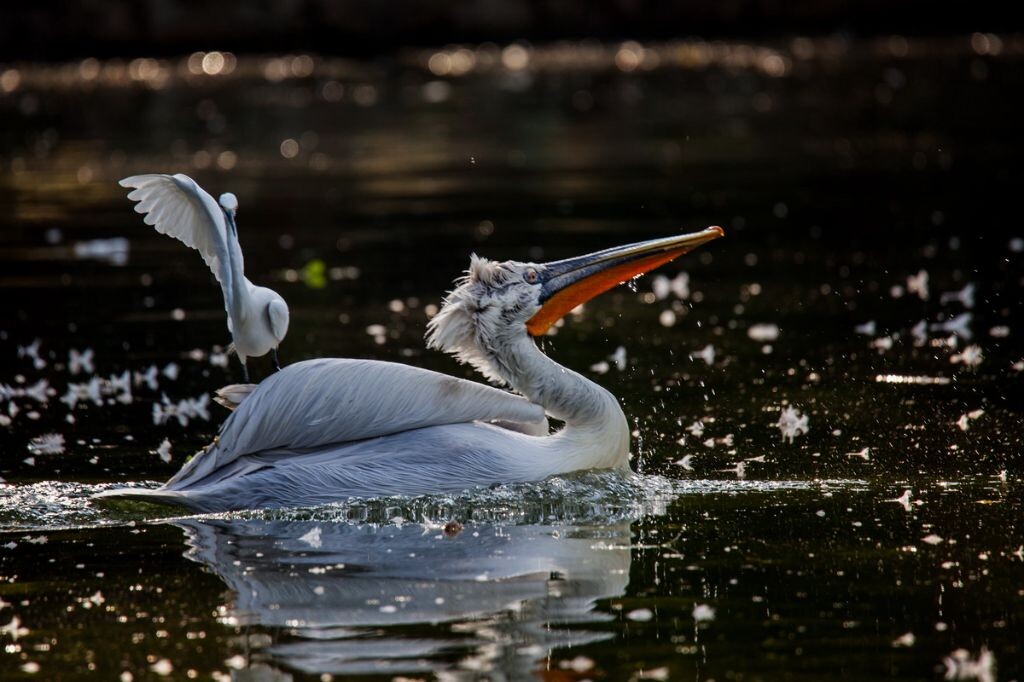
[(277, 363), (245, 373)]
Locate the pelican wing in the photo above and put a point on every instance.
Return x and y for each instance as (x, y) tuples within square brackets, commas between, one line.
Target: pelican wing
[(329, 401), (178, 207)]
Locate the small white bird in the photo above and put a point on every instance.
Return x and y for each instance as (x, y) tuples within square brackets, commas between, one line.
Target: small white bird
[(178, 207)]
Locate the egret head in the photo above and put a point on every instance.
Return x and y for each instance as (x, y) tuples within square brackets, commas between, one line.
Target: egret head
[(228, 202), (497, 304)]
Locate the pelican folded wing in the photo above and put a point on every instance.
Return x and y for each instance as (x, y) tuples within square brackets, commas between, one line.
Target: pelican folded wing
[(323, 402)]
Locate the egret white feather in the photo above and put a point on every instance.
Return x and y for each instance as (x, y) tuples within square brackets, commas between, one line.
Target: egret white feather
[(175, 205)]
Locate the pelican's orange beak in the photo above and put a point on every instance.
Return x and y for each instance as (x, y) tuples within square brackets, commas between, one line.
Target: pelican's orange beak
[(568, 283)]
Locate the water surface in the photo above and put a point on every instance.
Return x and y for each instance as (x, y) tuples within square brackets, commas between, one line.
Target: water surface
[(867, 209)]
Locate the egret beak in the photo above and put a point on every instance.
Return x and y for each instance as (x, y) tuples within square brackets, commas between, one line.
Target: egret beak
[(570, 282)]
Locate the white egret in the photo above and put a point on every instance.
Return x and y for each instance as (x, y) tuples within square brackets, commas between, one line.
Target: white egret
[(178, 207), (324, 430)]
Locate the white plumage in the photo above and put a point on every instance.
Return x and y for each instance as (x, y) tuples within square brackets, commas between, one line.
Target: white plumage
[(321, 431), (178, 207)]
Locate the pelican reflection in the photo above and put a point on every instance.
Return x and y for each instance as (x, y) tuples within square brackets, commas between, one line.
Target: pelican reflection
[(497, 597)]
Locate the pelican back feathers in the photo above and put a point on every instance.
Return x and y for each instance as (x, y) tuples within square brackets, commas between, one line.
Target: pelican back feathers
[(316, 403)]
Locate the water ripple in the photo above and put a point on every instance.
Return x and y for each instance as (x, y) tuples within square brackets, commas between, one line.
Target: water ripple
[(588, 497)]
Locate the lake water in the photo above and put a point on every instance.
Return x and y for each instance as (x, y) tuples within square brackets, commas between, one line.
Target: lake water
[(870, 279)]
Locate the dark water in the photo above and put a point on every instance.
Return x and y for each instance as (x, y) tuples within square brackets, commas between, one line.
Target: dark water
[(838, 170)]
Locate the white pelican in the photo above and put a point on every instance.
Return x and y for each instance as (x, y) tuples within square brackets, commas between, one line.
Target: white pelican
[(324, 430), (176, 206)]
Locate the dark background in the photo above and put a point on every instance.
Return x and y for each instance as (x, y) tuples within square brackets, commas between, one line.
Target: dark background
[(106, 28)]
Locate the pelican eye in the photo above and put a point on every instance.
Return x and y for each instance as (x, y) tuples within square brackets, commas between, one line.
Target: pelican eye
[(531, 276)]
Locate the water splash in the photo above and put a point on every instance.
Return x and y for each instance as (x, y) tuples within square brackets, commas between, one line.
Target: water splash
[(586, 497)]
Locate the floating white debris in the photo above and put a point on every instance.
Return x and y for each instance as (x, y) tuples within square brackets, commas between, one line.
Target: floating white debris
[(920, 333), (183, 410), (164, 450), (618, 358), (903, 500), (112, 251), (918, 284), (932, 539), (965, 419), (905, 379), (740, 470), (171, 371), (960, 666), (972, 356), (696, 429), (580, 664), (679, 286), (965, 296), (236, 662), (31, 352), (14, 629), (640, 615), (707, 354), (79, 362), (47, 444), (883, 343), (148, 378), (763, 332), (864, 454), (686, 462), (218, 359), (904, 640), (39, 391), (703, 613), (791, 423), (1016, 245), (667, 318), (959, 325), (1000, 331), (869, 328), (600, 367), (312, 538)]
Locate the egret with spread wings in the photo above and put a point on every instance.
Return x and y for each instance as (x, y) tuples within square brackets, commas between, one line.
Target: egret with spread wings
[(178, 207), (326, 430)]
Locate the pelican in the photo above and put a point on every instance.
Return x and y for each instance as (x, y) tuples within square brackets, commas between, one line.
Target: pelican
[(325, 430), (178, 207)]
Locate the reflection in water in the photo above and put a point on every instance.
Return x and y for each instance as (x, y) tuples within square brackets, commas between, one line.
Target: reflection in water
[(509, 593)]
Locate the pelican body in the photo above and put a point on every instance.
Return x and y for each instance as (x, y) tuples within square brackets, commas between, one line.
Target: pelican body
[(326, 430), (178, 207)]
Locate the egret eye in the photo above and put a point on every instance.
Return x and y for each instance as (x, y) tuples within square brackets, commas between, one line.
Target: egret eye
[(530, 276)]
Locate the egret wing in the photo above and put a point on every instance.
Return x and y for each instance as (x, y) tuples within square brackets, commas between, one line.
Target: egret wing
[(328, 401), (277, 311), (178, 207)]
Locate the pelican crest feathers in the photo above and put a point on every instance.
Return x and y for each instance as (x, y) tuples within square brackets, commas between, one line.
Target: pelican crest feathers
[(477, 318)]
